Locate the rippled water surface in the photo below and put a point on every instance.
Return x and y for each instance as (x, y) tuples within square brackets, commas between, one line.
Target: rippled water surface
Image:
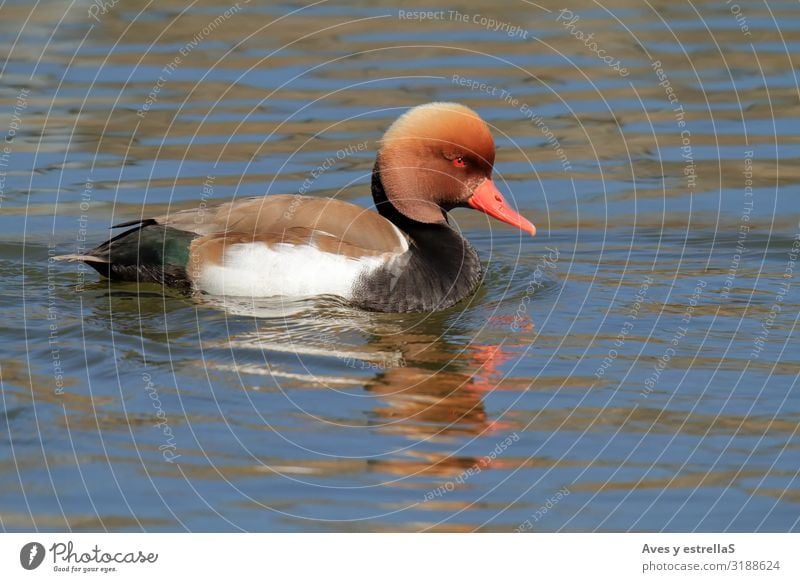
[(633, 367)]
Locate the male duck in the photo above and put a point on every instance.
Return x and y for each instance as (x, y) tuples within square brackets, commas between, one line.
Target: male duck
[(404, 257)]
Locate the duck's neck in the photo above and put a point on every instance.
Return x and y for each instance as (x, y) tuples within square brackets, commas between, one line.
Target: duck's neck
[(440, 268)]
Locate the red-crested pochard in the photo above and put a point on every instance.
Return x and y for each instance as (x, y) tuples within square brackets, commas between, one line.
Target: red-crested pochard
[(404, 257)]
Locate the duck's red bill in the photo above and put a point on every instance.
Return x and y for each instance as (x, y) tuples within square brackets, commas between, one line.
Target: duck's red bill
[(487, 199)]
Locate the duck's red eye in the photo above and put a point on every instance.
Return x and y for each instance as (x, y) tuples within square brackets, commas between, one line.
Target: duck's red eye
[(459, 162)]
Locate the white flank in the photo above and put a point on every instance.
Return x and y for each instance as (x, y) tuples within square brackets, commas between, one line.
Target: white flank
[(258, 270)]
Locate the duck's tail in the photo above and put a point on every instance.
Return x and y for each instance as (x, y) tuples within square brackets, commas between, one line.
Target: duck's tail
[(148, 252), (84, 258)]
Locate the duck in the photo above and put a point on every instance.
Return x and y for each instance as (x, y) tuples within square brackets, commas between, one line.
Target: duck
[(403, 256)]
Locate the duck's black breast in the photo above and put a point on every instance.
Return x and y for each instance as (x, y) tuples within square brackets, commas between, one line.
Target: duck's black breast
[(440, 269)]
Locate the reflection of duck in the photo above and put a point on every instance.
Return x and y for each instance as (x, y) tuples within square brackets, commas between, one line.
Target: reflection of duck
[(404, 257), (423, 402), (438, 406), (437, 394)]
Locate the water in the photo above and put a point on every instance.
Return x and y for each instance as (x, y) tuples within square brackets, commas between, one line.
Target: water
[(630, 368)]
